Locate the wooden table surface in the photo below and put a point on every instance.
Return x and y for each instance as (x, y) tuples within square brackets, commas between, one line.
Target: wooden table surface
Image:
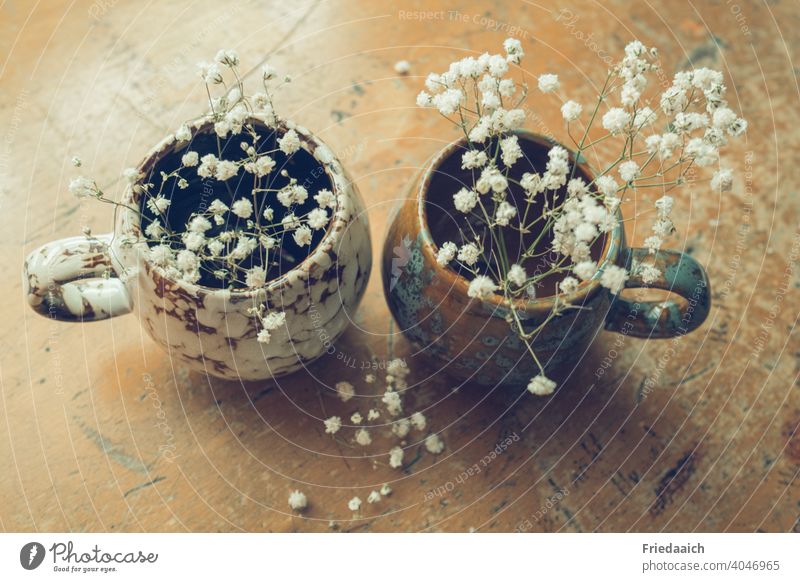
[(100, 431)]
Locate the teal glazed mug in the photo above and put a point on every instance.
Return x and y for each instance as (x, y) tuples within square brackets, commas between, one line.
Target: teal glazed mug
[(470, 339)]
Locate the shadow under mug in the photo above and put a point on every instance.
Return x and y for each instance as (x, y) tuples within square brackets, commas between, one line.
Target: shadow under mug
[(209, 329), (471, 340)]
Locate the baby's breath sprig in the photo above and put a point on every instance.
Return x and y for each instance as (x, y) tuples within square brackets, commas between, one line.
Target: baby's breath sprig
[(559, 213), (261, 220)]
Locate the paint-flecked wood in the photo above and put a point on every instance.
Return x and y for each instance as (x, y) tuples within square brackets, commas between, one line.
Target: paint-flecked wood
[(101, 430)]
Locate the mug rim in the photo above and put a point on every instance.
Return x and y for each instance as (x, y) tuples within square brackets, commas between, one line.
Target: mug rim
[(339, 182), (586, 289)]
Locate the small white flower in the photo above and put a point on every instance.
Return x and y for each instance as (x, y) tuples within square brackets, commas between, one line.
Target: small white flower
[(548, 83), (154, 229), (402, 67), (210, 73), (571, 110), (199, 224), (190, 159), (517, 275), (354, 504), (208, 165), (629, 170), (373, 497), (187, 260), (577, 188), (585, 270), (292, 194), (510, 150), (401, 427), (228, 57), (653, 243), (268, 72), (480, 132), (419, 421), (606, 185), (504, 213), (373, 414), (81, 187), (568, 285), (513, 48), (256, 277), (469, 254), (473, 159), (225, 170), (76, 161), (345, 390), (506, 87), (274, 320), (393, 402), (448, 102), (183, 133), (424, 99), (363, 438), (333, 424), (297, 500), (446, 253), (356, 418), (481, 287), (616, 120), (434, 444), (325, 198), (302, 236), (541, 385), (649, 274), (161, 255), (465, 200), (396, 457), (386, 490), (613, 278), (217, 207), (290, 142), (215, 247), (158, 205), (497, 66), (194, 241), (242, 208), (704, 153), (722, 180), (491, 179), (585, 232), (317, 218), (664, 205)]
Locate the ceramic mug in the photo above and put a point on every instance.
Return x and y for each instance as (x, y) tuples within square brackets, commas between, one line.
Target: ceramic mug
[(470, 339), (210, 329)]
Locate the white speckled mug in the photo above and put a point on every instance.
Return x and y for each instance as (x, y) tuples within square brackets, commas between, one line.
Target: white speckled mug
[(210, 329)]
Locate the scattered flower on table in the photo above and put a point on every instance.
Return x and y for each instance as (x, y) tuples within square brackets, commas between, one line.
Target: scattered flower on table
[(298, 500)]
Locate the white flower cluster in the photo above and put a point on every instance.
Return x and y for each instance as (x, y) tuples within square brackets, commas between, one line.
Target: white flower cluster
[(574, 209), (236, 238)]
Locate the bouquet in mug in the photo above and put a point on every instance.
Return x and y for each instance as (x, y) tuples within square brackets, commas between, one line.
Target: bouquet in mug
[(658, 139), (264, 223)]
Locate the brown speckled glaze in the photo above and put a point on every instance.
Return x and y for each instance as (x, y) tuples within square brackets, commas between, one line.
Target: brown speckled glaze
[(471, 339), (85, 279)]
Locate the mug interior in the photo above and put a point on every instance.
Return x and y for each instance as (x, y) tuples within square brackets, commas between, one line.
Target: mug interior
[(201, 192), (444, 222)]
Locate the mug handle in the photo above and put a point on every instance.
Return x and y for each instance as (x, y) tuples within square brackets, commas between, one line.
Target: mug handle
[(73, 279), (680, 274)]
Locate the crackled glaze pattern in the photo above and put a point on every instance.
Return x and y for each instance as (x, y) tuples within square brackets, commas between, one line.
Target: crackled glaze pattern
[(82, 279), (471, 339)]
